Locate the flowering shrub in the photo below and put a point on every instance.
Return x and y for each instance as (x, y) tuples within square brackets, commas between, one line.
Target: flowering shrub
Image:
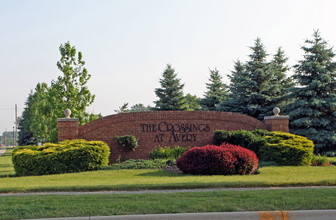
[(226, 159)]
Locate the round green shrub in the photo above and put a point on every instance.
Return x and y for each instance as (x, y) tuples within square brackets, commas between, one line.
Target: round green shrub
[(128, 142), (65, 157), (287, 149)]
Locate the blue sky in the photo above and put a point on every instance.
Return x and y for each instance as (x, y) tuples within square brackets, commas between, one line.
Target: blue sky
[(127, 43)]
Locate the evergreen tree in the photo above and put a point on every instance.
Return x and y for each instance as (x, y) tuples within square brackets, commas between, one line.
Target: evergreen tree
[(313, 113), (257, 86), (171, 92), (237, 99), (25, 135), (258, 70), (216, 92), (280, 83)]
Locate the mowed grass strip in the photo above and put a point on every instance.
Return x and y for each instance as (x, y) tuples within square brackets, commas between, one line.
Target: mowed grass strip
[(47, 206), (160, 179), (6, 165)]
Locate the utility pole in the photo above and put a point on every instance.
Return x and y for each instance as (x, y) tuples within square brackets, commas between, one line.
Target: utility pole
[(16, 124), (13, 137)]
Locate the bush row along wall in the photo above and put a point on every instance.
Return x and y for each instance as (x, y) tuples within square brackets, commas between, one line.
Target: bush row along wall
[(159, 128)]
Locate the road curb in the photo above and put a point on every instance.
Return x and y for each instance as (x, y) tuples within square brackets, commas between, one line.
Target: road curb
[(261, 215), (73, 193)]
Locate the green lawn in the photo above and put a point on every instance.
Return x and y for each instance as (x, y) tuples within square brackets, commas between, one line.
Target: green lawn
[(43, 206), (160, 179), (47, 206), (6, 166), (333, 160)]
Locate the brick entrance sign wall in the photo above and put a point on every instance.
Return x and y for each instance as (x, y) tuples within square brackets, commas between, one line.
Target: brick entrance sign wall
[(163, 128)]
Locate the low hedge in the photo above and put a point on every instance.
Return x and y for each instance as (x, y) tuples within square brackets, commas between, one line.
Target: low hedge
[(287, 149), (226, 159), (251, 140), (64, 157)]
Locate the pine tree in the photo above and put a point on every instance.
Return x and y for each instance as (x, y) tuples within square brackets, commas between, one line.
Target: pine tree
[(257, 86), (216, 92), (237, 100), (313, 113), (280, 83), (26, 136), (171, 92), (258, 70)]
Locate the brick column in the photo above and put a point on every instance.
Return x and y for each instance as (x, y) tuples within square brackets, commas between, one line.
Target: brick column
[(67, 127), (277, 122)]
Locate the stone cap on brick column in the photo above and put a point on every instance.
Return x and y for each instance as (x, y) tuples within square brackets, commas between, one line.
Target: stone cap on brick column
[(277, 122), (67, 113), (67, 119), (276, 115)]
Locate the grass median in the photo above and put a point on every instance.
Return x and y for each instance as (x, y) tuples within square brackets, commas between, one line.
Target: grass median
[(161, 179), (48, 206), (6, 166)]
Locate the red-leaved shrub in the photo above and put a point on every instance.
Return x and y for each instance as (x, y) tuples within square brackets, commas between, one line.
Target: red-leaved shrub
[(226, 159)]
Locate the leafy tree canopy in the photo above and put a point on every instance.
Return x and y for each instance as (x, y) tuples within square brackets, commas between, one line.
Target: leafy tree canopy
[(46, 104)]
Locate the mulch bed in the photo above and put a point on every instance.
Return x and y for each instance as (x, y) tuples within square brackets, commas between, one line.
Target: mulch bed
[(173, 168)]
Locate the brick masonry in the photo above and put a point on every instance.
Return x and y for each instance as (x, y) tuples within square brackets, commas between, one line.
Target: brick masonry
[(162, 128)]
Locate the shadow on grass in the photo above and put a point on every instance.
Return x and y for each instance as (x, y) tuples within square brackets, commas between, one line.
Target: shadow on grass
[(5, 165), (7, 175)]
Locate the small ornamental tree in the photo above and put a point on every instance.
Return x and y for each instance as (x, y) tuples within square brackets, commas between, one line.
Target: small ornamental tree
[(47, 103), (215, 93), (70, 89), (171, 92), (313, 114)]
